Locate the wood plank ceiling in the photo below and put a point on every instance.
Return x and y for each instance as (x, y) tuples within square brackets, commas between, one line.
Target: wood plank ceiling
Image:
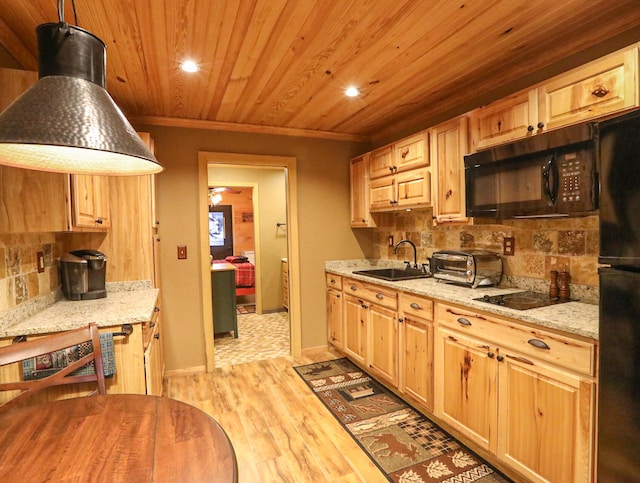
[(283, 64)]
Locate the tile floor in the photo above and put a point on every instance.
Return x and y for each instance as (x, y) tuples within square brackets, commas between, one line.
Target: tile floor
[(259, 337)]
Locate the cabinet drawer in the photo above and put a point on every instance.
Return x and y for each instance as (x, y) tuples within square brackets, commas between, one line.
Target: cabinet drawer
[(334, 281), (508, 334), (372, 293), (416, 306)]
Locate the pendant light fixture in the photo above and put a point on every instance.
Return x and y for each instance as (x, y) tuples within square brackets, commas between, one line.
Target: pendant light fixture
[(67, 122)]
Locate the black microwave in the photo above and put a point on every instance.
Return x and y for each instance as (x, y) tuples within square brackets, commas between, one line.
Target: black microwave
[(546, 175)]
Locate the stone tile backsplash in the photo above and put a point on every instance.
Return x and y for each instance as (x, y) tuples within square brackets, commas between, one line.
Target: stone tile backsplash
[(541, 245), (19, 277)]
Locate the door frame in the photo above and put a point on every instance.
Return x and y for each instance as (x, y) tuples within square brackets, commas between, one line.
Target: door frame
[(293, 253)]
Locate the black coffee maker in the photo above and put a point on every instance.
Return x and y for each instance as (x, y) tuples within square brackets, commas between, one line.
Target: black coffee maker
[(83, 274)]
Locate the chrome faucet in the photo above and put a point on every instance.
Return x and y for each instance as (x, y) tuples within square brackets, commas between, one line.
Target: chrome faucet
[(415, 252)]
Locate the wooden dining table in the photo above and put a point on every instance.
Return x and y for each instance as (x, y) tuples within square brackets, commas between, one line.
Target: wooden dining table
[(114, 437)]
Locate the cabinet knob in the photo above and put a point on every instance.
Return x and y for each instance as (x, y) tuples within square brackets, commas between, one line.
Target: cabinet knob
[(391, 168), (99, 221), (152, 324), (379, 296), (156, 309), (157, 336), (540, 125), (500, 358), (400, 319), (415, 306), (530, 128), (600, 91), (463, 321), (490, 355), (405, 151)]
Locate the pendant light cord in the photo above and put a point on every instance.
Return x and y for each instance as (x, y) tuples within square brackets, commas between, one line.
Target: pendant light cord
[(61, 11)]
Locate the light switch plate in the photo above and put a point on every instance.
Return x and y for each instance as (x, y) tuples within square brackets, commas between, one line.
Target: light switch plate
[(182, 252), (40, 261)]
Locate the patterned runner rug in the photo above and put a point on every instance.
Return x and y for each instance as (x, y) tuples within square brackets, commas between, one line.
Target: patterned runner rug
[(402, 442)]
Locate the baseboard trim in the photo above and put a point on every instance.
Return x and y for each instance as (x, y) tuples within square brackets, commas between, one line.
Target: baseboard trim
[(186, 371), (314, 350)]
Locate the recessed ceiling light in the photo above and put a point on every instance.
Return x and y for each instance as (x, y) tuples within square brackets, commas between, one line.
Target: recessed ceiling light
[(189, 66), (352, 91)]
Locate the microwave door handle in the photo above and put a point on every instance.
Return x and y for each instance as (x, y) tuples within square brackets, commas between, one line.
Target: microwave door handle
[(550, 178)]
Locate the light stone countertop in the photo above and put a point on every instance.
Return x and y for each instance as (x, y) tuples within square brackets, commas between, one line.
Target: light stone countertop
[(117, 308), (571, 317)]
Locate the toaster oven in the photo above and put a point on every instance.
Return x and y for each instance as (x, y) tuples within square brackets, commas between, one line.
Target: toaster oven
[(473, 268)]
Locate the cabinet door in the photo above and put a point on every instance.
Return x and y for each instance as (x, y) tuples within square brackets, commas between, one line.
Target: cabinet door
[(465, 373), (416, 359), (545, 422), (383, 194), (381, 162), (334, 318), (411, 152), (510, 118), (154, 362), (382, 329), (359, 170), (355, 327), (90, 201), (595, 89), (413, 188), (448, 147)]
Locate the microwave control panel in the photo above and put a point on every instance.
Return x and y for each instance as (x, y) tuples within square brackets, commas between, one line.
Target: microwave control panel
[(576, 183)]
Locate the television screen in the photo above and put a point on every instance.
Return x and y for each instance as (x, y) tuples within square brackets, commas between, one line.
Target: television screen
[(216, 229)]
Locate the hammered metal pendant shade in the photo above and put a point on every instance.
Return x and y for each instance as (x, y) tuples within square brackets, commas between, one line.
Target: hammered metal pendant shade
[(67, 122)]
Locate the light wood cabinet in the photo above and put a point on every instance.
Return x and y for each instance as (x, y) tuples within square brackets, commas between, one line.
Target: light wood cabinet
[(90, 205), (415, 347), (359, 176), (507, 119), (601, 87), (524, 394), (154, 356), (355, 328), (335, 332), (408, 189), (381, 162), (371, 328), (448, 143), (411, 152), (285, 284)]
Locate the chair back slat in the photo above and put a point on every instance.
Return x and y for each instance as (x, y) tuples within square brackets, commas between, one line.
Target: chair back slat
[(21, 351)]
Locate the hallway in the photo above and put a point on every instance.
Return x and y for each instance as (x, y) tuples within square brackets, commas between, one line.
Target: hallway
[(260, 337)]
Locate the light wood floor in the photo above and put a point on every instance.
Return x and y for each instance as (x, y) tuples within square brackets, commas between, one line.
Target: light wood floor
[(280, 430)]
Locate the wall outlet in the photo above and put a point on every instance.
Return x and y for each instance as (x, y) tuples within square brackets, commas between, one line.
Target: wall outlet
[(182, 252), (508, 245), (40, 261)]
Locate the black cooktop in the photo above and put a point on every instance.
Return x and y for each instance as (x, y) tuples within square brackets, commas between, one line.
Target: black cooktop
[(521, 300)]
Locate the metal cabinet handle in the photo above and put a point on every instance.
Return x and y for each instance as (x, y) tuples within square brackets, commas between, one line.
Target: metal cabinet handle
[(464, 321), (452, 338), (99, 221), (538, 344), (415, 306), (379, 296), (354, 288), (405, 151), (157, 336)]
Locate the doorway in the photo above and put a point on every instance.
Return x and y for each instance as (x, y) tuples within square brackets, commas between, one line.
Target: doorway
[(287, 166)]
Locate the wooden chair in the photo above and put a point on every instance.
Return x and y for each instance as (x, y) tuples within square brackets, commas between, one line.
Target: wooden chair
[(16, 353)]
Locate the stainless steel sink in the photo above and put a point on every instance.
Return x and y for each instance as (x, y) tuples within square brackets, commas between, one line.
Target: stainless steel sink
[(394, 274)]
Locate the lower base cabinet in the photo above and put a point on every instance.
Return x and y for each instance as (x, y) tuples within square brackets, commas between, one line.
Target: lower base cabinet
[(536, 417), (523, 394)]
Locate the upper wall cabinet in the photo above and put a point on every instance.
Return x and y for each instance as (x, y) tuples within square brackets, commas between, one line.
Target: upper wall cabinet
[(513, 117), (448, 144), (400, 175), (359, 175), (601, 87), (604, 86), (89, 207)]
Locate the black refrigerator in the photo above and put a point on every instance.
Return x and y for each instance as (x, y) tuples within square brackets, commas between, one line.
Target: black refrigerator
[(618, 455)]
